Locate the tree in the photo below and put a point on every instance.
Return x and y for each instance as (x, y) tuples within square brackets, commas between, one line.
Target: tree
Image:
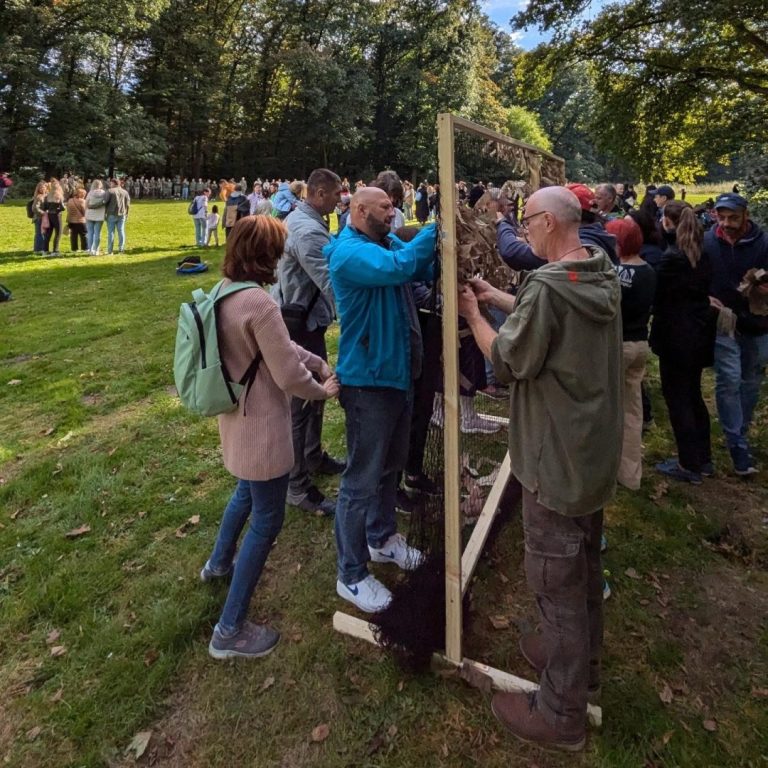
[(677, 87)]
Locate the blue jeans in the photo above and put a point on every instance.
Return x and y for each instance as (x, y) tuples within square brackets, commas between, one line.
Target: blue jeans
[(115, 223), (378, 425), (739, 368), (39, 236), (93, 234), (264, 502), (199, 231)]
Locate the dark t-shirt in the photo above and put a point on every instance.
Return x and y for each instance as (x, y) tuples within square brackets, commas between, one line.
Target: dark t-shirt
[(638, 286)]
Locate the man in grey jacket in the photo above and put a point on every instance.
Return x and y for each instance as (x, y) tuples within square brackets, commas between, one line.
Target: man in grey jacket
[(118, 203), (304, 283)]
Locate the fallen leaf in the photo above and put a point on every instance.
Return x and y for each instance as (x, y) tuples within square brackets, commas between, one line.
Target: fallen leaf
[(320, 732), (57, 696), (14, 382), (296, 637), (49, 431), (181, 531), (503, 579), (194, 520), (666, 694), (268, 683), (760, 693), (150, 657), (632, 574), (499, 622), (400, 685), (80, 531), (392, 731), (666, 737), (139, 744), (65, 439), (710, 725), (53, 636), (33, 733), (659, 490), (58, 650)]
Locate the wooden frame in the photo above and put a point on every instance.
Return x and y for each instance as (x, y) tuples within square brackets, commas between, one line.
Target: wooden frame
[(459, 566)]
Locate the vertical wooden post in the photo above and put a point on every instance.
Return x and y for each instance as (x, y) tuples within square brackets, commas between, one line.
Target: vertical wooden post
[(451, 434)]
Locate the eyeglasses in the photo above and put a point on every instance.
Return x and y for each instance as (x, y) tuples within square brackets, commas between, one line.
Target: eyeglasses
[(524, 221)]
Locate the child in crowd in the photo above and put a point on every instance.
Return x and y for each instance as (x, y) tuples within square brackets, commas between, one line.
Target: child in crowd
[(212, 222)]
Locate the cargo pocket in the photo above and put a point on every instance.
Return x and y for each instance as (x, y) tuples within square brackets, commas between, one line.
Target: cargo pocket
[(552, 561)]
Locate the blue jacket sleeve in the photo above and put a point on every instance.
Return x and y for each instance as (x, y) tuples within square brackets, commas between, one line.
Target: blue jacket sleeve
[(364, 263), (514, 252)]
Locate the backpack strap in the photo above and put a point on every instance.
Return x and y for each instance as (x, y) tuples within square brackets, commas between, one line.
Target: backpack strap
[(247, 379)]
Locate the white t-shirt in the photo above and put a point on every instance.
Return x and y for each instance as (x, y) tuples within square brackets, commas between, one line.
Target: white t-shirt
[(201, 203), (212, 221)]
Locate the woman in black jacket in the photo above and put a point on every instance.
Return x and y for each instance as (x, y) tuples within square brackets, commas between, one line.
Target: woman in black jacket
[(683, 336)]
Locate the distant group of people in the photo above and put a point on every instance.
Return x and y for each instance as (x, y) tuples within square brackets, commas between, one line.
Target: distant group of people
[(86, 213)]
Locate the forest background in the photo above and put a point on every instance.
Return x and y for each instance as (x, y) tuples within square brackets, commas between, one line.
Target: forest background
[(643, 90)]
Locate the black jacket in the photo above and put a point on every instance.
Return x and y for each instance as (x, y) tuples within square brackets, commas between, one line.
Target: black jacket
[(684, 323)]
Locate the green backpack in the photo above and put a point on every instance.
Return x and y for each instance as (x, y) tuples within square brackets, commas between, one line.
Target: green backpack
[(202, 380)]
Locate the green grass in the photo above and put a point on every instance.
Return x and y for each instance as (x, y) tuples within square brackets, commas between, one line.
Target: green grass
[(92, 435)]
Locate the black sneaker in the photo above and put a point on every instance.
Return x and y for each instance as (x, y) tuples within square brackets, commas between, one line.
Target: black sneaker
[(420, 483), (329, 466), (252, 642), (743, 463), (318, 504), (404, 504)]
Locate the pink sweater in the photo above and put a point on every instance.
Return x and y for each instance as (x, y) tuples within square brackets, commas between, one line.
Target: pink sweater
[(258, 445)]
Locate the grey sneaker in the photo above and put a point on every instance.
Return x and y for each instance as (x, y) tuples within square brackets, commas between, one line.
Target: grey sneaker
[(207, 574), (252, 642)]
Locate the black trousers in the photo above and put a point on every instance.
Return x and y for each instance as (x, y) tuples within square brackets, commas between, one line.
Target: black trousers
[(307, 419), (688, 414), (77, 232)]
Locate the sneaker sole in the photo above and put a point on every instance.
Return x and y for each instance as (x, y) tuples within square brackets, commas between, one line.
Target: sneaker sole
[(562, 746), (215, 653)]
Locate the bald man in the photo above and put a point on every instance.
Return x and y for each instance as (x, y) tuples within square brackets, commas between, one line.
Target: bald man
[(379, 357), (560, 352)]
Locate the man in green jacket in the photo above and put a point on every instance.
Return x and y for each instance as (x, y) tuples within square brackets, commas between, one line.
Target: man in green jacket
[(560, 352)]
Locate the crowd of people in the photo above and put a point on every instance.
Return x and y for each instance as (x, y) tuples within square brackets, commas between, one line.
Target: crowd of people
[(598, 270)]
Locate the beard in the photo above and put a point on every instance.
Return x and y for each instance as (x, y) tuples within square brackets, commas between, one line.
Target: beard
[(380, 228)]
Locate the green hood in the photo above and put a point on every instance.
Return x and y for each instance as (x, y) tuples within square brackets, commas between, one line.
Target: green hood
[(599, 294)]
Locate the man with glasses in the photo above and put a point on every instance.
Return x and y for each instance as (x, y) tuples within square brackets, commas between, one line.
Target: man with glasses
[(517, 253), (560, 350)]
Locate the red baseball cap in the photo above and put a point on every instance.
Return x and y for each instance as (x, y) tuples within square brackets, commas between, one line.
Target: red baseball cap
[(586, 196)]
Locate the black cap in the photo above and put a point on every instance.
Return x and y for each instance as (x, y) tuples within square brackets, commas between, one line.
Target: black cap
[(732, 201)]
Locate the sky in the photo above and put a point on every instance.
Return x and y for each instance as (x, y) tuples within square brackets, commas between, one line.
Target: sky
[(501, 11)]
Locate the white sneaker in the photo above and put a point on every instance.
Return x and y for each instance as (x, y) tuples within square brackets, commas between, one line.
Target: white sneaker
[(369, 595), (396, 550)]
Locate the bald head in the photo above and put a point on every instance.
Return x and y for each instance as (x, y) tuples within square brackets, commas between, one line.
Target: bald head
[(553, 215), (559, 201), (371, 212)]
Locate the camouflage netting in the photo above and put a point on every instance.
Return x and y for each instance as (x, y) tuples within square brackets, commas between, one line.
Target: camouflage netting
[(413, 626)]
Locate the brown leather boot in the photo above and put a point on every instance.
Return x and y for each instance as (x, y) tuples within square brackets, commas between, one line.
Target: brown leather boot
[(518, 714), (532, 648)]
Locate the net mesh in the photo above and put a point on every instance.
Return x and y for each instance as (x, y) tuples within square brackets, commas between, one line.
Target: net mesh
[(413, 625)]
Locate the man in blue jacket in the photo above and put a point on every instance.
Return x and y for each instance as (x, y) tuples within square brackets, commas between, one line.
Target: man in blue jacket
[(379, 357), (734, 246)]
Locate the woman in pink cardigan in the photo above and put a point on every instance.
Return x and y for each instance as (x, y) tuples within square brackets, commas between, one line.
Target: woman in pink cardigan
[(256, 438)]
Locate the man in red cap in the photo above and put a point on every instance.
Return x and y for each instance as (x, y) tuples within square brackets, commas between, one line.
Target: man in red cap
[(517, 253)]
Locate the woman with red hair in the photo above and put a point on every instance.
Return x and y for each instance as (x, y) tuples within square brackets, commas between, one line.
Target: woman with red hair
[(638, 285)]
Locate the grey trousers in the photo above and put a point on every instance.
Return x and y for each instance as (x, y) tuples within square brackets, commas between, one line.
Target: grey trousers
[(563, 570)]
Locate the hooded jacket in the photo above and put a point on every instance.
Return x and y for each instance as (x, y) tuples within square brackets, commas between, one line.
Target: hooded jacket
[(560, 351), (379, 344), (729, 264), (284, 201), (518, 255)]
